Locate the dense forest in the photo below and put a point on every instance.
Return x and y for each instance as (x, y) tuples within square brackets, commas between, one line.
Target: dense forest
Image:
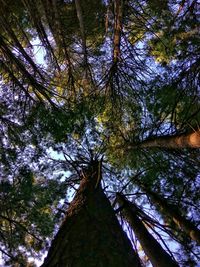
[(99, 133)]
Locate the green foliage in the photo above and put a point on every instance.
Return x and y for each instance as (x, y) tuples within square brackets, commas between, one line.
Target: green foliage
[(57, 116), (28, 209)]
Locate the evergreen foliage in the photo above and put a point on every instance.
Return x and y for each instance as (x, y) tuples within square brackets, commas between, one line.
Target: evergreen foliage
[(107, 81)]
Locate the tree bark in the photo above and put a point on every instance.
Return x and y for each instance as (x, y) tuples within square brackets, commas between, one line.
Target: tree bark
[(118, 5), (82, 29), (186, 225), (91, 234), (191, 140), (156, 254)]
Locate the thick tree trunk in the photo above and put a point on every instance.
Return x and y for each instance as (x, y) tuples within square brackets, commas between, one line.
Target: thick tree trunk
[(91, 235), (186, 225), (191, 140), (156, 254)]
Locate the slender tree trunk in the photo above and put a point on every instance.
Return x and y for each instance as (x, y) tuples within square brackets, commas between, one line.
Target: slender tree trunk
[(191, 140), (186, 225), (156, 254), (91, 235), (82, 29), (118, 6)]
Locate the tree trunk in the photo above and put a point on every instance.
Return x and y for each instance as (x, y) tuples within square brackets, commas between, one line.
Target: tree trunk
[(82, 29), (156, 254), (191, 140), (91, 235), (186, 225), (118, 5)]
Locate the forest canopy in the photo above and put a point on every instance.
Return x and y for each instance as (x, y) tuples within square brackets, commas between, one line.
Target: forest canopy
[(99, 103)]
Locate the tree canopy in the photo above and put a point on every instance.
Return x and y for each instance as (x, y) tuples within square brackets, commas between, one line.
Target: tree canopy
[(112, 81)]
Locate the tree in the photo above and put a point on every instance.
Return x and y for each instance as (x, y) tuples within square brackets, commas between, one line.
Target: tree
[(90, 233), (112, 106), (157, 255), (181, 222)]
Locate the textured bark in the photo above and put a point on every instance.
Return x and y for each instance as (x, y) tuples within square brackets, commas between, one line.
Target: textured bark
[(156, 254), (191, 140), (118, 5), (186, 225), (90, 234)]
